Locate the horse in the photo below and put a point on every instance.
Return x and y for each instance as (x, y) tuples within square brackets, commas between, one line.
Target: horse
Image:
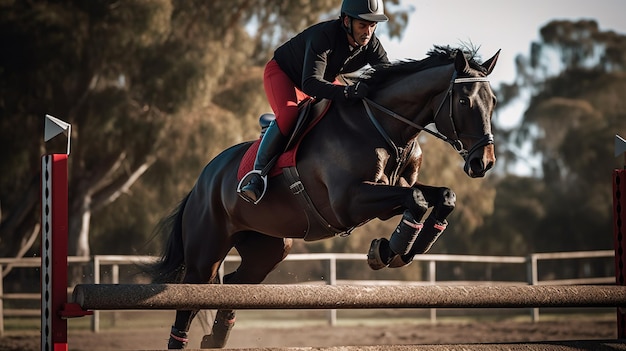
[(359, 162)]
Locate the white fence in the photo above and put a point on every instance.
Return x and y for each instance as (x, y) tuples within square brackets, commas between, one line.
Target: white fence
[(531, 263)]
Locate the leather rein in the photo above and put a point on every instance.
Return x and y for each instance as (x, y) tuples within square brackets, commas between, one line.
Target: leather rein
[(486, 139)]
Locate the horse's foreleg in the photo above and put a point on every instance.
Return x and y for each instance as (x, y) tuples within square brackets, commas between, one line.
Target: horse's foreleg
[(372, 200), (443, 201), (410, 236), (383, 252)]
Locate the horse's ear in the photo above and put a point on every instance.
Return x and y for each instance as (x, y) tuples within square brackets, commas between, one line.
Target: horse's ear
[(460, 62), (491, 63)]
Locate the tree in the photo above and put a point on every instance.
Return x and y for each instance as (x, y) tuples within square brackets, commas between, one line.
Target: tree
[(575, 78), (139, 81)]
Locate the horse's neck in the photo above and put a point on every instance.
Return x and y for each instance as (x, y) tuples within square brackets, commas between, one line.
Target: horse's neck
[(413, 97)]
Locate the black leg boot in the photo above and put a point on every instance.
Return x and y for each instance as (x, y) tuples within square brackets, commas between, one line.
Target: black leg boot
[(224, 322), (253, 185), (431, 231), (383, 252), (178, 339)]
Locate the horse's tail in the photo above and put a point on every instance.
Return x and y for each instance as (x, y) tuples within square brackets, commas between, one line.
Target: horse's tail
[(171, 266)]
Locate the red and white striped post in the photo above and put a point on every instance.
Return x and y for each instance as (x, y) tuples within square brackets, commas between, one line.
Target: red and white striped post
[(619, 203), (54, 233), (54, 230)]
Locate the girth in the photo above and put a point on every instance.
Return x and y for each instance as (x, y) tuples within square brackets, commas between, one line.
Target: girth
[(318, 227)]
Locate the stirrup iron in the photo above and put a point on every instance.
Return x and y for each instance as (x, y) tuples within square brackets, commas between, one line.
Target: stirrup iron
[(244, 181)]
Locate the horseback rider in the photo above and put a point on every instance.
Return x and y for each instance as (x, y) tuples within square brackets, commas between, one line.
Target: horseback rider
[(306, 66)]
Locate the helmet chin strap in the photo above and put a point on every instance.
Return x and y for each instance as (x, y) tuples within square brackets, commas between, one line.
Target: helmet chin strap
[(350, 32)]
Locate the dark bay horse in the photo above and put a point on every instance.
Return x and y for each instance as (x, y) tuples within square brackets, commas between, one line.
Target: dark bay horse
[(361, 161)]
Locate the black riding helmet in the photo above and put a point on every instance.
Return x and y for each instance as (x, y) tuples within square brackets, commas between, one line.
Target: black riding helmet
[(367, 10)]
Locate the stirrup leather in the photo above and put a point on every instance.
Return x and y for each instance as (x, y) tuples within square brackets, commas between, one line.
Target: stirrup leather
[(244, 181)]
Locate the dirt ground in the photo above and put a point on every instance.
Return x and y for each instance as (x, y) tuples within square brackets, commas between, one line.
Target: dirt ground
[(325, 336)]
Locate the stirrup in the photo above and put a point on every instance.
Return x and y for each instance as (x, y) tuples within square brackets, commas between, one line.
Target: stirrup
[(245, 180)]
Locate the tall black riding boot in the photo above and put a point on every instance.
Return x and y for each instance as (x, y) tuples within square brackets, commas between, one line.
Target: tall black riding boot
[(271, 147)]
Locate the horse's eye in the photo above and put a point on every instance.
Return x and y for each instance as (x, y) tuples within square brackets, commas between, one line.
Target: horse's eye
[(463, 101)]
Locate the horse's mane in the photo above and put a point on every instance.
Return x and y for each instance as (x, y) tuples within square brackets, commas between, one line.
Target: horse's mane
[(439, 55)]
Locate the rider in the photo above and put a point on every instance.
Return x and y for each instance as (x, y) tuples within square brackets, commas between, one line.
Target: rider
[(306, 66)]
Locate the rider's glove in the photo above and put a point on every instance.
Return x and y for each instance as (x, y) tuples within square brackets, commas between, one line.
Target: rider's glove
[(356, 91)]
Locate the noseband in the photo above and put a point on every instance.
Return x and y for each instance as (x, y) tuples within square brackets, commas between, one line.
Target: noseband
[(484, 140)]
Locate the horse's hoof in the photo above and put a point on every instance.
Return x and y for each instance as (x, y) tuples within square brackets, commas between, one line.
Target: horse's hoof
[(217, 340), (209, 342), (224, 322), (175, 345), (374, 258), (397, 262)]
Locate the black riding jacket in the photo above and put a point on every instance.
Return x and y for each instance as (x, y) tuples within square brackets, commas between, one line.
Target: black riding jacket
[(316, 56)]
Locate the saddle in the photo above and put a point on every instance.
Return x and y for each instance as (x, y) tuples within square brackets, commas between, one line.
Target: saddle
[(310, 113)]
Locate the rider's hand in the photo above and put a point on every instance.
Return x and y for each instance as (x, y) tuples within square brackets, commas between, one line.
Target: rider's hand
[(356, 91)]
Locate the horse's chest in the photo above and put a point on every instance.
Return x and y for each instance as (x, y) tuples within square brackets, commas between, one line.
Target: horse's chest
[(399, 169)]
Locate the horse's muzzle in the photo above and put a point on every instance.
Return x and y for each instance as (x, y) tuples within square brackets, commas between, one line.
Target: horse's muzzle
[(480, 158)]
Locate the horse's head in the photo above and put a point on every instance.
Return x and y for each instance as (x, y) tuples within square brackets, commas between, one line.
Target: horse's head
[(464, 114), (461, 113)]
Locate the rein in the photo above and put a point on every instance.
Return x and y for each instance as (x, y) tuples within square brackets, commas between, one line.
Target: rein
[(455, 143)]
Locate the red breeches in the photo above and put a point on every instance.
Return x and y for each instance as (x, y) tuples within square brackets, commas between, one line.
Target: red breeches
[(283, 96)]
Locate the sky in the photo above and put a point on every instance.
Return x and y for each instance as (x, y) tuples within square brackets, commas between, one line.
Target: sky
[(510, 25)]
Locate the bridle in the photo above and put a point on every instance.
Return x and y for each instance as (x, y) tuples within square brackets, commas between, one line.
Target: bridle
[(456, 143)]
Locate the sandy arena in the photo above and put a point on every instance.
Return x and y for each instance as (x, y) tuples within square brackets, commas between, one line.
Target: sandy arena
[(325, 336)]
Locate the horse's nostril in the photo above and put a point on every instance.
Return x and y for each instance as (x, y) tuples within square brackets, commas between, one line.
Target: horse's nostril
[(477, 169), (477, 165)]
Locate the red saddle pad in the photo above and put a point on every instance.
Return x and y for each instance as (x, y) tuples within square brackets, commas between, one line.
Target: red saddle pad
[(287, 159)]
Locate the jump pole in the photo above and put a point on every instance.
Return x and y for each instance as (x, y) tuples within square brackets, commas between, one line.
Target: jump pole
[(619, 203), (278, 296), (54, 218)]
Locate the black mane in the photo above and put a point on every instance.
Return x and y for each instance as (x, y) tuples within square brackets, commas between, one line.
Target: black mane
[(437, 56)]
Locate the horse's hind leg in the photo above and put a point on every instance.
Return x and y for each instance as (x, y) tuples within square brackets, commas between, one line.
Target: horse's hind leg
[(210, 251), (260, 254), (178, 336)]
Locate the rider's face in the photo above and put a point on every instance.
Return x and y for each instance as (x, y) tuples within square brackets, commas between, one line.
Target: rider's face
[(362, 31)]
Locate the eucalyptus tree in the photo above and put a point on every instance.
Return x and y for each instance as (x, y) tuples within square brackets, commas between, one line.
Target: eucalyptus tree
[(152, 89)]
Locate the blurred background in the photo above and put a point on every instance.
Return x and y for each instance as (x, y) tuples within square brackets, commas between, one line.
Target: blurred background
[(155, 89)]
